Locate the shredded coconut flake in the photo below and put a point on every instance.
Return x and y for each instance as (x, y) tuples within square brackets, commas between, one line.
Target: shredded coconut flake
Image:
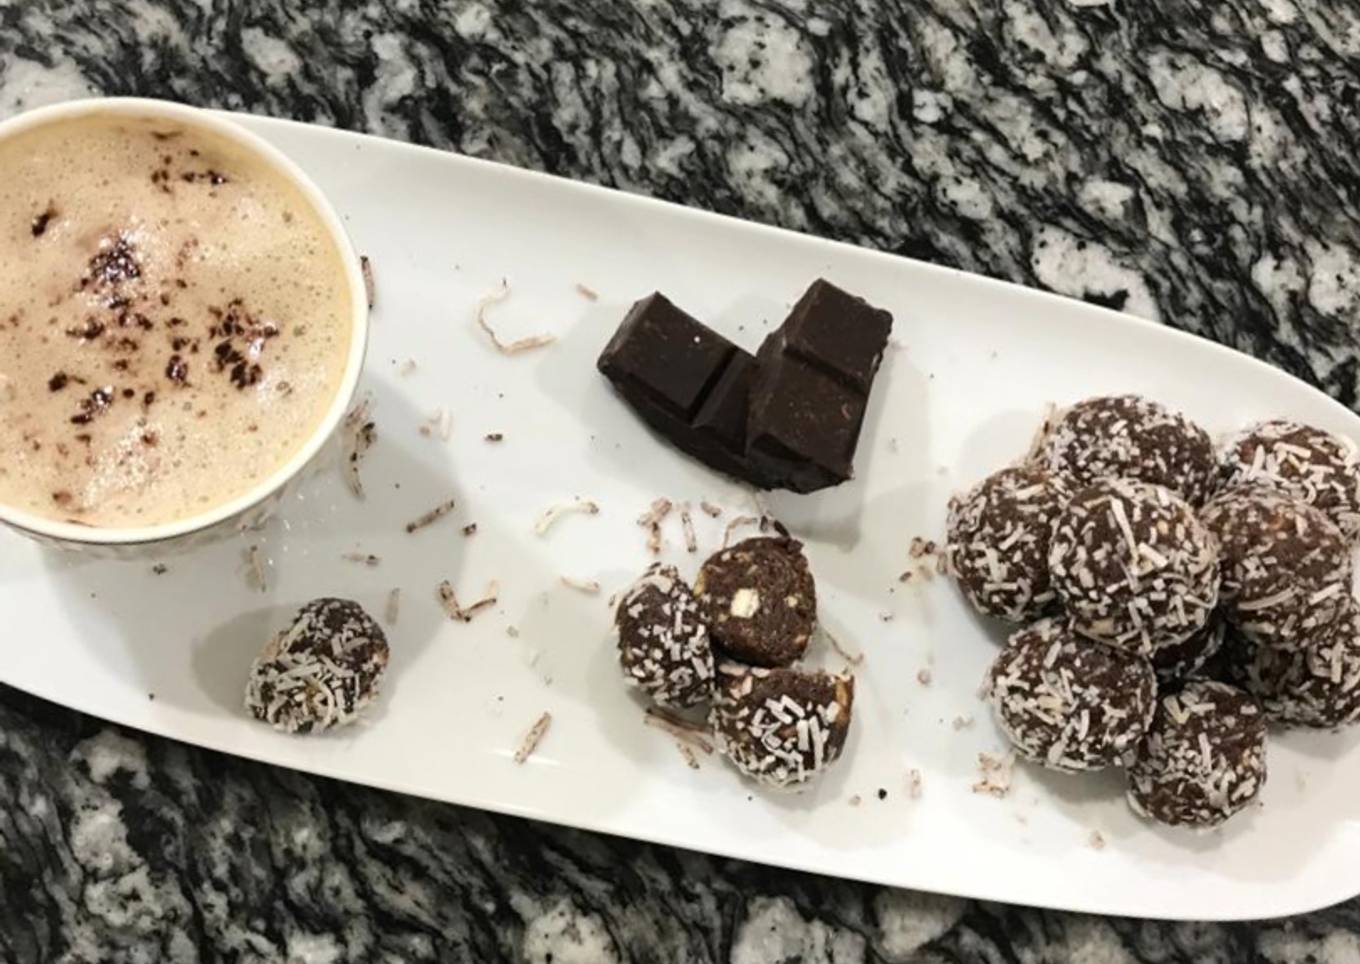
[(588, 586), (431, 517), (514, 347), (533, 737), (550, 515), (449, 600)]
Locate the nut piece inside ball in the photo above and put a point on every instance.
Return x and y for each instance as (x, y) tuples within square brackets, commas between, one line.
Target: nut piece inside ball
[(1067, 702), (321, 671), (781, 727), (663, 644), (998, 541), (759, 600), (1286, 566), (1133, 566), (1297, 460), (1130, 437), (1203, 759)]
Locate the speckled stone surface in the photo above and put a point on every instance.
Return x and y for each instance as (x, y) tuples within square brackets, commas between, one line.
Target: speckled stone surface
[(1194, 163)]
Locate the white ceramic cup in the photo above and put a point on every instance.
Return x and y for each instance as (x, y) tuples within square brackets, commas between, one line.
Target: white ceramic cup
[(253, 506)]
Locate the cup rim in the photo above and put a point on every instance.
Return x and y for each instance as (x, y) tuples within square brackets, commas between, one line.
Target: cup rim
[(74, 532)]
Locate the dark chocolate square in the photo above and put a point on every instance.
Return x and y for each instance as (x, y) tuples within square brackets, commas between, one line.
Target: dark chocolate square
[(804, 423), (839, 332), (685, 380)]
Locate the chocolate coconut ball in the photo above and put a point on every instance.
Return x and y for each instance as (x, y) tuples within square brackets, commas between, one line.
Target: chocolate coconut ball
[(663, 644), (1319, 688), (998, 539), (1180, 661), (1132, 565), (1310, 465), (1069, 703), (759, 600), (1286, 566), (1130, 437), (1203, 759), (321, 671), (781, 727)]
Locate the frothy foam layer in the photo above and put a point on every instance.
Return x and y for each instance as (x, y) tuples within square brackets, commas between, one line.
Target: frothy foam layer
[(174, 320)]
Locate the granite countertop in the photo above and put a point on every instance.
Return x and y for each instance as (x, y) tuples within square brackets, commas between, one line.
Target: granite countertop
[(1193, 163)]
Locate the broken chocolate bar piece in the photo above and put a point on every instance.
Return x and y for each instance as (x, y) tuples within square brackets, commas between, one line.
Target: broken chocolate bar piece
[(808, 399), (685, 380)]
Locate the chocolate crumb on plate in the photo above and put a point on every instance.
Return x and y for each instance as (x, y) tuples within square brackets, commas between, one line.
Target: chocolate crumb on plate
[(1203, 759), (1069, 703), (1301, 461), (759, 599), (1286, 566), (663, 644), (321, 671), (781, 727), (1133, 566)]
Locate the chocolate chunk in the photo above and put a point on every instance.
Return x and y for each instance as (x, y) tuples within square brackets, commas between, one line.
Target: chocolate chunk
[(812, 388), (759, 600), (685, 380)]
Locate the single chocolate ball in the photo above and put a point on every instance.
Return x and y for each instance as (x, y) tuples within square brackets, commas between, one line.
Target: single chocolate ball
[(759, 600), (781, 727), (1203, 759), (1130, 437), (1070, 703), (1300, 461), (1286, 566), (1318, 688), (1132, 565), (321, 671), (998, 537), (663, 644)]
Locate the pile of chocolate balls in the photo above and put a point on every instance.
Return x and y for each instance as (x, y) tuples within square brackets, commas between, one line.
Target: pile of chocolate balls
[(1171, 598)]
